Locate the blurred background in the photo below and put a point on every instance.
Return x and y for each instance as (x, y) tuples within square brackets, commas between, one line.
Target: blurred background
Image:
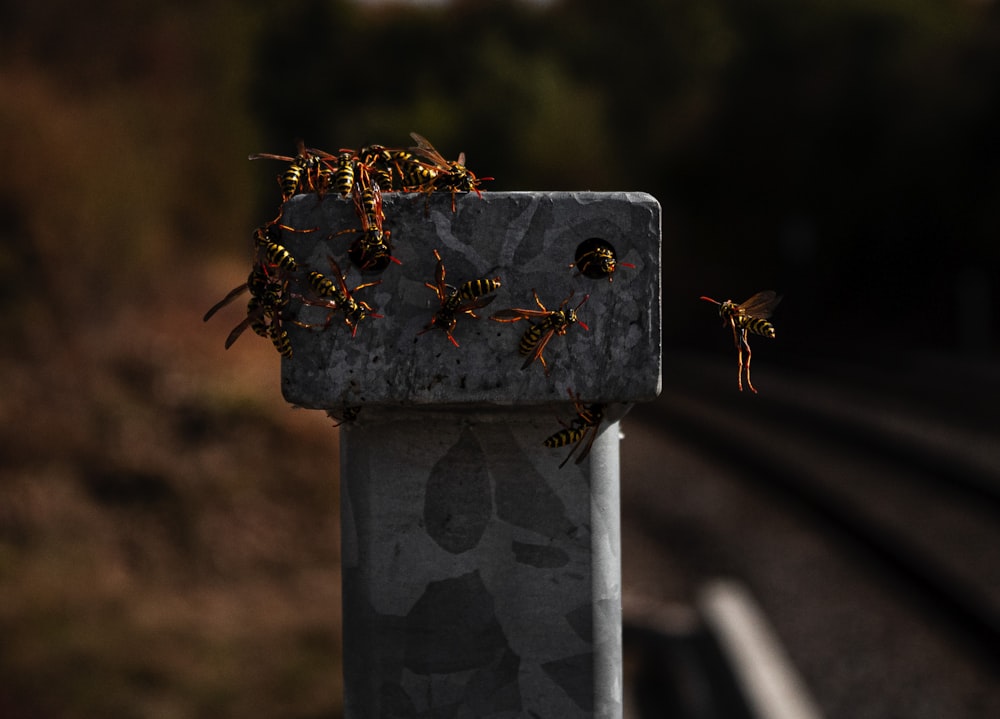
[(169, 525)]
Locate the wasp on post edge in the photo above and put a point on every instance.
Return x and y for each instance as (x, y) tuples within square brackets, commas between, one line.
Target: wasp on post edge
[(267, 284), (334, 295), (453, 177), (371, 252), (305, 173), (750, 317), (596, 259), (538, 335), (466, 299), (588, 419), (347, 415)]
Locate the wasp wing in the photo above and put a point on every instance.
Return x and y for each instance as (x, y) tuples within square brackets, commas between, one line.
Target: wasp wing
[(761, 304), (232, 295), (513, 315)]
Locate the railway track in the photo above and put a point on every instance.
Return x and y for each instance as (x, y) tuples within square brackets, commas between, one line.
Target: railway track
[(888, 480)]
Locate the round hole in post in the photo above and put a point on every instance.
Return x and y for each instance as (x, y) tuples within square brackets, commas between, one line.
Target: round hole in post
[(596, 258)]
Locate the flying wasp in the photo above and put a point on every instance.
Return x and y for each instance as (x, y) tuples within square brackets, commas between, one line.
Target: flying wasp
[(538, 335), (588, 419), (466, 299), (750, 317), (334, 295), (453, 177), (596, 259)]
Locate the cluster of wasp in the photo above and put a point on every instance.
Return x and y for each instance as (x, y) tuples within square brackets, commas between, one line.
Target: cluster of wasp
[(276, 277), (359, 174)]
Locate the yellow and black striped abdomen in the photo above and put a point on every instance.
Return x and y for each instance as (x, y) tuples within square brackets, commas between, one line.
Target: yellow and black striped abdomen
[(755, 325), (323, 286), (278, 256), (531, 337), (291, 180), (343, 179), (279, 337), (478, 288), (570, 435)]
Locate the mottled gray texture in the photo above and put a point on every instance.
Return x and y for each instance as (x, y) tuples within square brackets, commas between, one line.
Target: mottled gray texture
[(469, 590), (480, 580), (527, 239)]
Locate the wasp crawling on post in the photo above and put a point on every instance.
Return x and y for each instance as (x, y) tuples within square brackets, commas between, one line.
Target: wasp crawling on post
[(538, 335), (442, 174), (347, 415), (307, 171), (267, 284), (334, 295), (750, 317), (466, 299), (588, 419), (371, 252), (597, 260)]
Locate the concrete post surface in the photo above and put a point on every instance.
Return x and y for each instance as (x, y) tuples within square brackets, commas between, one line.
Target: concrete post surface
[(477, 582), (528, 240), (480, 579)]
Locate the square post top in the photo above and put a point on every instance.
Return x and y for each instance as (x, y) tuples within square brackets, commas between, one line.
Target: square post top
[(535, 242)]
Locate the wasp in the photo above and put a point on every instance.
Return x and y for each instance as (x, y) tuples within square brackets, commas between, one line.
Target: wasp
[(265, 316), (750, 317), (265, 309), (343, 178), (414, 175), (466, 299), (334, 295), (371, 252), (588, 419), (270, 260), (305, 172), (453, 177), (270, 251), (377, 160), (596, 259), (347, 415), (550, 324)]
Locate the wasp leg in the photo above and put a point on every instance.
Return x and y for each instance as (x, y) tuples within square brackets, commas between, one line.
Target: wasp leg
[(746, 346), (739, 339)]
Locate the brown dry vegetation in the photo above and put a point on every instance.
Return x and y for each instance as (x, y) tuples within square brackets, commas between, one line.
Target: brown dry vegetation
[(168, 524)]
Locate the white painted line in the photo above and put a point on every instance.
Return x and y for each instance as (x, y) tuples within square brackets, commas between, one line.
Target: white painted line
[(765, 674)]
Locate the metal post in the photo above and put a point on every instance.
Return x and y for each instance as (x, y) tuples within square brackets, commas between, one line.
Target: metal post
[(480, 579)]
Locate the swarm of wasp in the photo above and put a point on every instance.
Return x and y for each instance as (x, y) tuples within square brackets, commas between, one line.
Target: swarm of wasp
[(334, 295), (538, 335), (267, 284), (596, 259), (748, 317), (588, 419), (466, 299)]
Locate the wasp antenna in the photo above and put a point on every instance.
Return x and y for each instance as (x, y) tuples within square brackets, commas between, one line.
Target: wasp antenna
[(709, 299)]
